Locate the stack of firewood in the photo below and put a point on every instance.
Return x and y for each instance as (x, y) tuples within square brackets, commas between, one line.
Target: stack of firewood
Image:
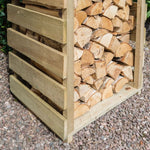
[(103, 58)]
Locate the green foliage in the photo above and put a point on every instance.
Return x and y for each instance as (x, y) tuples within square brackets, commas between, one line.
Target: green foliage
[(3, 26)]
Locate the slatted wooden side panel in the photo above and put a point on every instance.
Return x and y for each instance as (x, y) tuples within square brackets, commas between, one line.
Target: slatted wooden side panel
[(48, 26), (46, 113), (51, 59), (47, 3)]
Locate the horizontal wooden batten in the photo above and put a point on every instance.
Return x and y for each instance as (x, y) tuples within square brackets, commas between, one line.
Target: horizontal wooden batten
[(47, 86), (103, 107), (46, 113), (47, 3), (48, 26), (51, 59)]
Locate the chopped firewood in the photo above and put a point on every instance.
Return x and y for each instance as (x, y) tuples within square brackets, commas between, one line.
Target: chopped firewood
[(81, 16), (81, 4), (80, 110), (87, 58), (113, 70), (106, 92), (75, 38), (77, 53), (86, 97), (89, 80), (127, 58), (111, 11), (108, 57), (119, 83), (100, 69), (83, 36), (124, 28), (77, 67), (129, 2), (123, 49), (76, 95), (117, 22), (106, 23), (131, 22), (77, 80), (93, 22), (106, 4), (86, 72), (104, 40), (76, 24), (76, 104), (120, 3), (107, 82), (124, 13), (99, 33), (124, 38), (114, 45), (97, 50), (95, 9), (94, 99), (98, 83), (127, 72)]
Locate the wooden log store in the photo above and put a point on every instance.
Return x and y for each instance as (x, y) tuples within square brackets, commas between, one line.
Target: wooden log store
[(72, 60)]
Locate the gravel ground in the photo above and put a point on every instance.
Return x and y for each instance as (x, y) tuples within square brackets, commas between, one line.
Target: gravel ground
[(125, 127)]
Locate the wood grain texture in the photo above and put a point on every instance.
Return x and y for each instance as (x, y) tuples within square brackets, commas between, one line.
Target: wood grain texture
[(47, 3), (48, 26), (47, 86), (103, 107), (51, 59), (45, 112)]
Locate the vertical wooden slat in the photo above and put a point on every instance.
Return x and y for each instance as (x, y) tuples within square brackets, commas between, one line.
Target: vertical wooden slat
[(139, 53)]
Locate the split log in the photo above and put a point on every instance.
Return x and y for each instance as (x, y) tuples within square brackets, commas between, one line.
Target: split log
[(123, 49), (97, 50), (87, 58), (108, 57), (113, 70), (80, 110), (99, 33), (89, 80), (129, 2), (77, 53), (93, 22), (124, 13), (98, 83), (76, 104), (127, 59), (76, 24), (131, 22), (83, 36), (127, 72), (106, 4), (114, 45), (124, 38), (81, 16), (75, 38), (77, 80), (86, 72), (106, 92), (94, 99), (120, 3), (107, 82), (77, 67), (100, 69), (95, 9), (119, 83), (106, 23), (117, 22), (81, 4), (111, 11), (76, 95)]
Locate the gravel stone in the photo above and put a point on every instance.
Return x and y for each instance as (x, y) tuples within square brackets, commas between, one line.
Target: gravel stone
[(126, 127)]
